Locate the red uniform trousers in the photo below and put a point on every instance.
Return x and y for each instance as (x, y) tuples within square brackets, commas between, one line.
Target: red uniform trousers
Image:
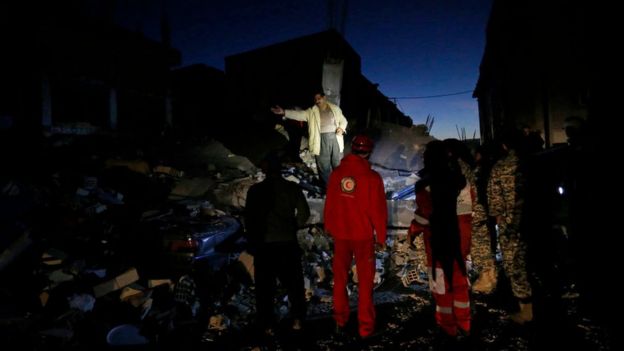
[(452, 307), (364, 253), (465, 234)]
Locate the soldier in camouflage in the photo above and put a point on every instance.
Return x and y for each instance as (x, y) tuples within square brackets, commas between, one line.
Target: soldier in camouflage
[(482, 227), (505, 194), (481, 250)]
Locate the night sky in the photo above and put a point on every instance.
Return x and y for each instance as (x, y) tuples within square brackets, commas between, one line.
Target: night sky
[(410, 48)]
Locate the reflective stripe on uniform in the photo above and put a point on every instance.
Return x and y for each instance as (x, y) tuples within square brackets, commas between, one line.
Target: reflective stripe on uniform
[(445, 310), (461, 304)]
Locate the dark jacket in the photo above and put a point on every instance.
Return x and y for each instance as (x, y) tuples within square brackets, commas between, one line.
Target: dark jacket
[(275, 209)]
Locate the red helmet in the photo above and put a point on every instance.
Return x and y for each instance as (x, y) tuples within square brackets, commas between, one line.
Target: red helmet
[(362, 143)]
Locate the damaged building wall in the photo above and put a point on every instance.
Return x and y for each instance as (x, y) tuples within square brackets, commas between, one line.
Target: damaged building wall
[(535, 69), (290, 73)]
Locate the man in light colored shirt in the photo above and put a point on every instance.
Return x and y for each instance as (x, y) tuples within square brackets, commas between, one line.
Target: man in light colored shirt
[(326, 127)]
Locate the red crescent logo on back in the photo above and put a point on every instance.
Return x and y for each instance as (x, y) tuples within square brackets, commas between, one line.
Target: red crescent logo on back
[(347, 184)]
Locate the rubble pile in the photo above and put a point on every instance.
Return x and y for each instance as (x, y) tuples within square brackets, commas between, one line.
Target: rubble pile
[(104, 248)]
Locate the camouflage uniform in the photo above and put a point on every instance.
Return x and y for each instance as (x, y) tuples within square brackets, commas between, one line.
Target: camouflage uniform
[(505, 193), (480, 246), (481, 249), (468, 173)]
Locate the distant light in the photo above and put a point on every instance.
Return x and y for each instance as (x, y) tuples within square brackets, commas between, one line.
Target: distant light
[(560, 189)]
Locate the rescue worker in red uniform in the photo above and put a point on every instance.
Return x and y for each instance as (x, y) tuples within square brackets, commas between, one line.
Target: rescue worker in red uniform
[(356, 216), (446, 244)]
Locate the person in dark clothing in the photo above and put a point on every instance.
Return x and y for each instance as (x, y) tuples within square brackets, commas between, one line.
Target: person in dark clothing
[(275, 209), (531, 141)]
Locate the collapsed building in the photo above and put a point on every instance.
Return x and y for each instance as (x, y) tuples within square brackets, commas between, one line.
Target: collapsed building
[(106, 224), (110, 240)]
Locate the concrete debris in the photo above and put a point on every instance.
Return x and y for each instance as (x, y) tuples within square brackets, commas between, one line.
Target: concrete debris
[(399, 148), (234, 194), (218, 157), (192, 187), (115, 217)]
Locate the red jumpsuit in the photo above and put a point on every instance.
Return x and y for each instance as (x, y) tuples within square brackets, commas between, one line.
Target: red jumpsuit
[(355, 207), (452, 307)]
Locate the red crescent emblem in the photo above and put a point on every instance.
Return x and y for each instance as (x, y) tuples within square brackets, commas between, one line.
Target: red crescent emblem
[(347, 184)]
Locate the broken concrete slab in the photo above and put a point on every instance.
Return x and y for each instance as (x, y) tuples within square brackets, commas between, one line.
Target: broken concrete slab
[(192, 187)]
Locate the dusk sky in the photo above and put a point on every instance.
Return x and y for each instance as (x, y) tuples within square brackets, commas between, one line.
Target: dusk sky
[(414, 48)]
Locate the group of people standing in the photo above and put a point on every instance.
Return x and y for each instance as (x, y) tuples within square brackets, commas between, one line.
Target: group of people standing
[(459, 201), (355, 215), (461, 204)]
